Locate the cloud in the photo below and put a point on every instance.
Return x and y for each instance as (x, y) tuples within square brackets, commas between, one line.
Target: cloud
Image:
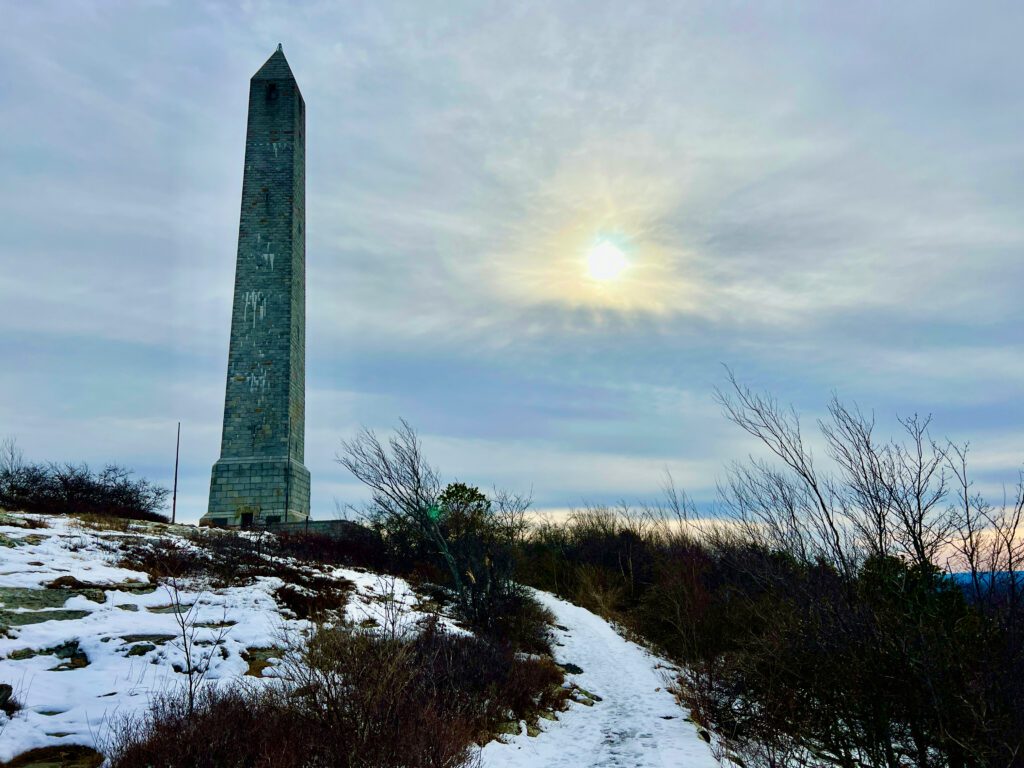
[(824, 199)]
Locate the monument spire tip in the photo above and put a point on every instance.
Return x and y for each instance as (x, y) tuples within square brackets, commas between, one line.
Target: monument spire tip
[(280, 48)]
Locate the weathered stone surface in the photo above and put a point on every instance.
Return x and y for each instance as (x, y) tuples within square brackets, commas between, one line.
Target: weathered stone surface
[(260, 471), (35, 599), (73, 656), (12, 619), (158, 639), (169, 609)]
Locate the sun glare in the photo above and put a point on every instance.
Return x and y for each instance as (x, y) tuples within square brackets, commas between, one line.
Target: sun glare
[(606, 261)]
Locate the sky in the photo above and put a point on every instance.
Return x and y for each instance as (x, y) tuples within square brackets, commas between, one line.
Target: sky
[(824, 197)]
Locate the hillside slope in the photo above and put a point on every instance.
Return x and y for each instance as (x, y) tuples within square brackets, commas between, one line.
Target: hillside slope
[(85, 642)]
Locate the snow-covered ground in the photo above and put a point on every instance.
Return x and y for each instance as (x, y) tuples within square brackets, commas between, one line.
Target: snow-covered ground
[(637, 722), (128, 645), (128, 633)]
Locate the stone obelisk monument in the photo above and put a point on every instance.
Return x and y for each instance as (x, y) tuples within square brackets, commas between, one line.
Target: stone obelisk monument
[(260, 477)]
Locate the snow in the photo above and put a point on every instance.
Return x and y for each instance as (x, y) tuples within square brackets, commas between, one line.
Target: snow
[(366, 603), (78, 704), (637, 723)]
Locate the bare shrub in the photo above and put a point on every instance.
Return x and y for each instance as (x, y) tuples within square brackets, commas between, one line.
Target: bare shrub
[(9, 701), (454, 533), (58, 489), (198, 659), (360, 546), (164, 558), (349, 698), (219, 558), (244, 725), (861, 607)]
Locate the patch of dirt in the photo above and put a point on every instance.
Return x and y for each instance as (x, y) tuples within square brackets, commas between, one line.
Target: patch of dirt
[(259, 659), (84, 587)]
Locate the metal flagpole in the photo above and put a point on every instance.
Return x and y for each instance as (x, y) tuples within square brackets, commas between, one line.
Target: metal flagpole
[(174, 498)]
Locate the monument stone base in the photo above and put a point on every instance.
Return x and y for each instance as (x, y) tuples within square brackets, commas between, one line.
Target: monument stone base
[(257, 491)]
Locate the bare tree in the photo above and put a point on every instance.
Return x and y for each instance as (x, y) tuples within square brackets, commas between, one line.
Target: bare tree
[(800, 504), (987, 540), (402, 481), (510, 511), (197, 662), (851, 443), (884, 498), (11, 457), (404, 487), (892, 493)]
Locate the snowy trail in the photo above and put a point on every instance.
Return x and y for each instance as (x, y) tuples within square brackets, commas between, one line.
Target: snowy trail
[(637, 724)]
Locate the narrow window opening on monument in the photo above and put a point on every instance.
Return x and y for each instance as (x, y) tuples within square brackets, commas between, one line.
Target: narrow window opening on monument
[(271, 91)]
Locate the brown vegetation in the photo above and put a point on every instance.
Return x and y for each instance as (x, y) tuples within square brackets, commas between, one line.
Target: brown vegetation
[(74, 489), (350, 698), (822, 627)]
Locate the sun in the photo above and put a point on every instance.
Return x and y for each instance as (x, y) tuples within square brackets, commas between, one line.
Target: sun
[(606, 261)]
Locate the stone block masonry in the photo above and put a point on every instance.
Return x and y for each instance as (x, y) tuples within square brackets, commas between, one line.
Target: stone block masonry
[(260, 474)]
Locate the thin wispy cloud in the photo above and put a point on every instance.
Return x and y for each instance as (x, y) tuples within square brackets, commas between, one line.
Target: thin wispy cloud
[(824, 198)]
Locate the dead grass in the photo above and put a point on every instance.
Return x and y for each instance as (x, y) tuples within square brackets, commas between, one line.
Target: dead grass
[(97, 522), (70, 756), (23, 520)]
